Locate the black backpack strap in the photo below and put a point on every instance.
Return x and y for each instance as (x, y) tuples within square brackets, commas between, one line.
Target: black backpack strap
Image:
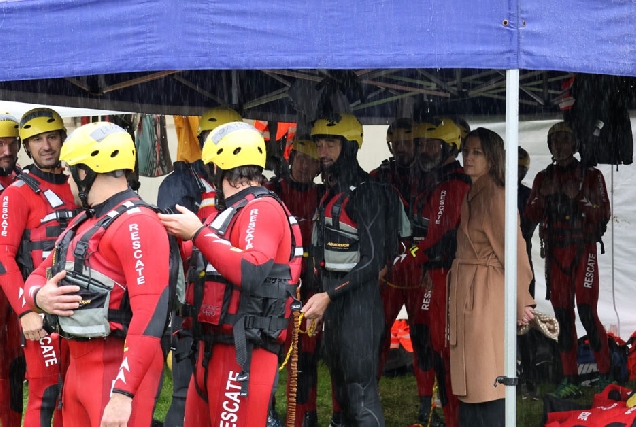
[(64, 241), (336, 209), (81, 248), (31, 182)]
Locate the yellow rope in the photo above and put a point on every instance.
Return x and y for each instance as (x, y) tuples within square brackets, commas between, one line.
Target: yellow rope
[(435, 392), (311, 331), (293, 368)]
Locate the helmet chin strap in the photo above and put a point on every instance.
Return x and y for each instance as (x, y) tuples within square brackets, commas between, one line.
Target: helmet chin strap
[(83, 185), (38, 165), (216, 175)]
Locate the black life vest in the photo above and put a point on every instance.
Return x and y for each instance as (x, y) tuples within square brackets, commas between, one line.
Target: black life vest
[(248, 317), (92, 318), (37, 243), (335, 234)]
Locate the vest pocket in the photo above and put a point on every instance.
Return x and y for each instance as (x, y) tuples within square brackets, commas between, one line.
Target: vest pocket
[(90, 319), (342, 250), (212, 304)]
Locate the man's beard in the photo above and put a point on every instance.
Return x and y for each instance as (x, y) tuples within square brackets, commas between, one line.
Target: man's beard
[(427, 163), (4, 171)]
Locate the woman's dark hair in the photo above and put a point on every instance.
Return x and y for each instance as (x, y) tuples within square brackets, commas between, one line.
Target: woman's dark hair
[(493, 147)]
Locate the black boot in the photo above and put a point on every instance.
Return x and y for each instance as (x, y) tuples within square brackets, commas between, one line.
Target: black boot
[(310, 419), (337, 420), (425, 408), (425, 414)]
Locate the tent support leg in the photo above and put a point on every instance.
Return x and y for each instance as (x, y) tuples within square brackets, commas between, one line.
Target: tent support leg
[(510, 249)]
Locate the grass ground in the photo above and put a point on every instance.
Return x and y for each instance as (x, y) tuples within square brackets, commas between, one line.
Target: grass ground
[(399, 400)]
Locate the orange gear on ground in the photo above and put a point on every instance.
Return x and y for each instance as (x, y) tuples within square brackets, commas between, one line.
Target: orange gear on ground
[(401, 335)]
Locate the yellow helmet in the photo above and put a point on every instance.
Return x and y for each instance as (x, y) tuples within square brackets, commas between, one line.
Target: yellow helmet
[(524, 158), (445, 129), (563, 127), (234, 144), (217, 116), (560, 127), (461, 123), (9, 126), (104, 147), (306, 146), (344, 125), (423, 130), (40, 120)]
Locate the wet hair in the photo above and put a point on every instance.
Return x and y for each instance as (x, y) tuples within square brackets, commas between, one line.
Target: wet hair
[(242, 174), (493, 147)]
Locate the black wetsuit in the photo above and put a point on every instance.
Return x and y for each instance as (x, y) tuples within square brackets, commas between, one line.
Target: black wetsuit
[(354, 320)]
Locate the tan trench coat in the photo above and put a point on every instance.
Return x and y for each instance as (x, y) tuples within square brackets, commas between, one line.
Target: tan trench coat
[(476, 294)]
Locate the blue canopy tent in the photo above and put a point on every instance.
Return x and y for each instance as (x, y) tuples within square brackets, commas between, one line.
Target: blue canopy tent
[(165, 56), (180, 57), (61, 38)]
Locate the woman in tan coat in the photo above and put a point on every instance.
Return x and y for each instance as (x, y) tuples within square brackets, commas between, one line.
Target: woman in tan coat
[(476, 286)]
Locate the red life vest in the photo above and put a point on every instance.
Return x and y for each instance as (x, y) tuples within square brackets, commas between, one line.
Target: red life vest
[(247, 317), (37, 243), (228, 313)]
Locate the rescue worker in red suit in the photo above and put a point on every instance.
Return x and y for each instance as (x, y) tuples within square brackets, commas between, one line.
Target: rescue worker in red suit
[(246, 256), (38, 206), (527, 343), (347, 251), (189, 186), (436, 216), (569, 201), (107, 283), (301, 195), (399, 172), (12, 364)]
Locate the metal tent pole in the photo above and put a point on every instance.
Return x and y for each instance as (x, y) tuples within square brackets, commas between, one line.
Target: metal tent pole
[(510, 249)]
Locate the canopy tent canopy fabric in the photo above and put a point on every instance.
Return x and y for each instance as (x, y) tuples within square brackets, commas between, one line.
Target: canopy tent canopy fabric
[(171, 57)]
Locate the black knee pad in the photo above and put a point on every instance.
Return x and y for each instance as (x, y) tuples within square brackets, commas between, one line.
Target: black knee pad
[(565, 334), (421, 340), (586, 314), (49, 402), (17, 369)]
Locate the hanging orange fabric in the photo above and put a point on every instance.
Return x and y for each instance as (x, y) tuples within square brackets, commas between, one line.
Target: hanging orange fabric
[(284, 128), (401, 335), (188, 149)]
